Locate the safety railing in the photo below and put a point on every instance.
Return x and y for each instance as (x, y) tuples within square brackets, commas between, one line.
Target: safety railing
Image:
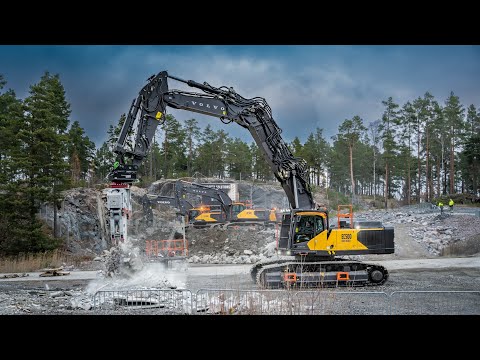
[(158, 301), (284, 302), (245, 302)]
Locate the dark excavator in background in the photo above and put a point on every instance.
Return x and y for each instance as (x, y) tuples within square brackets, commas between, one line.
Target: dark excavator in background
[(216, 210), (221, 210), (310, 251)]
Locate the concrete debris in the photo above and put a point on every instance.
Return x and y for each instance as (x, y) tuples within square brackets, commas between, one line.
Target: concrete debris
[(54, 272), (10, 276), (81, 303), (122, 260), (55, 294)]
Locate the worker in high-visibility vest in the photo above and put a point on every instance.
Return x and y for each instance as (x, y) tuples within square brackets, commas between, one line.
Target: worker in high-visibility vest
[(450, 205), (440, 205)]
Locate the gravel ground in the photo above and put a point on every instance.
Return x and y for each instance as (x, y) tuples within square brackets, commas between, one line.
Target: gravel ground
[(417, 236), (64, 297)]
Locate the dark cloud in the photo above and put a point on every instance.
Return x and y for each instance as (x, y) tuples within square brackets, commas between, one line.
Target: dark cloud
[(306, 86)]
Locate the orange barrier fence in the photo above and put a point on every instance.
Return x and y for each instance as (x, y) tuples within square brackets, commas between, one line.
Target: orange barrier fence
[(163, 248)]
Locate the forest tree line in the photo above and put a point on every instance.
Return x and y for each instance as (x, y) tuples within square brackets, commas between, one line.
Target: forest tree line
[(415, 152)]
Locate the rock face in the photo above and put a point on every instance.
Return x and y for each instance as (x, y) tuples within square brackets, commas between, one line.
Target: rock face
[(81, 221)]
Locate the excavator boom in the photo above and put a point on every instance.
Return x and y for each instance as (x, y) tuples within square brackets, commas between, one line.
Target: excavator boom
[(148, 110), (180, 204)]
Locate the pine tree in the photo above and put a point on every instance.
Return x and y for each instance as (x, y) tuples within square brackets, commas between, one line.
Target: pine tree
[(473, 121), (339, 165), (315, 152), (374, 131), (407, 127), (261, 169), (174, 160), (80, 152), (297, 147), (350, 131), (454, 112), (18, 230), (211, 152), (102, 162), (10, 121), (45, 138), (238, 159), (389, 145), (437, 146), (470, 164), (192, 132)]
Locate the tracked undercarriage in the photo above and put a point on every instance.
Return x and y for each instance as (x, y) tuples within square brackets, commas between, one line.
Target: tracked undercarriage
[(293, 272)]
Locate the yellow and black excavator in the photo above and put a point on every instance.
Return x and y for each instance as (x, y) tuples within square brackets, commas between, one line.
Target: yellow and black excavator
[(221, 211), (311, 251)]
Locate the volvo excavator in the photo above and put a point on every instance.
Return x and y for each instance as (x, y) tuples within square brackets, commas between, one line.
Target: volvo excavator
[(228, 214), (312, 254), (184, 209), (220, 211)]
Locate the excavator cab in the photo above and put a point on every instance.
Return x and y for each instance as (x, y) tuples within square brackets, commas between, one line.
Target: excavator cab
[(307, 227), (237, 208), (298, 228), (192, 214)]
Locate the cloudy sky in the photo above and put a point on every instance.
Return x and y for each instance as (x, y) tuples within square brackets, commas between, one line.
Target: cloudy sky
[(306, 86)]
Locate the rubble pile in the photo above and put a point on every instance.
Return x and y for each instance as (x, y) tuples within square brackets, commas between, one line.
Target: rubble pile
[(430, 229)]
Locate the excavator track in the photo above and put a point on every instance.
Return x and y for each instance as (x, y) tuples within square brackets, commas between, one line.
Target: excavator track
[(278, 260), (318, 274)]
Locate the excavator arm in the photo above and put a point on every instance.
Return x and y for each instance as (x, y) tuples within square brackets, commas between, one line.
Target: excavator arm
[(148, 111), (181, 205), (182, 187)]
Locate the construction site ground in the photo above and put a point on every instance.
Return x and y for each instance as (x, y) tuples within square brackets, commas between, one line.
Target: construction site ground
[(433, 252), (411, 268), (405, 274)]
